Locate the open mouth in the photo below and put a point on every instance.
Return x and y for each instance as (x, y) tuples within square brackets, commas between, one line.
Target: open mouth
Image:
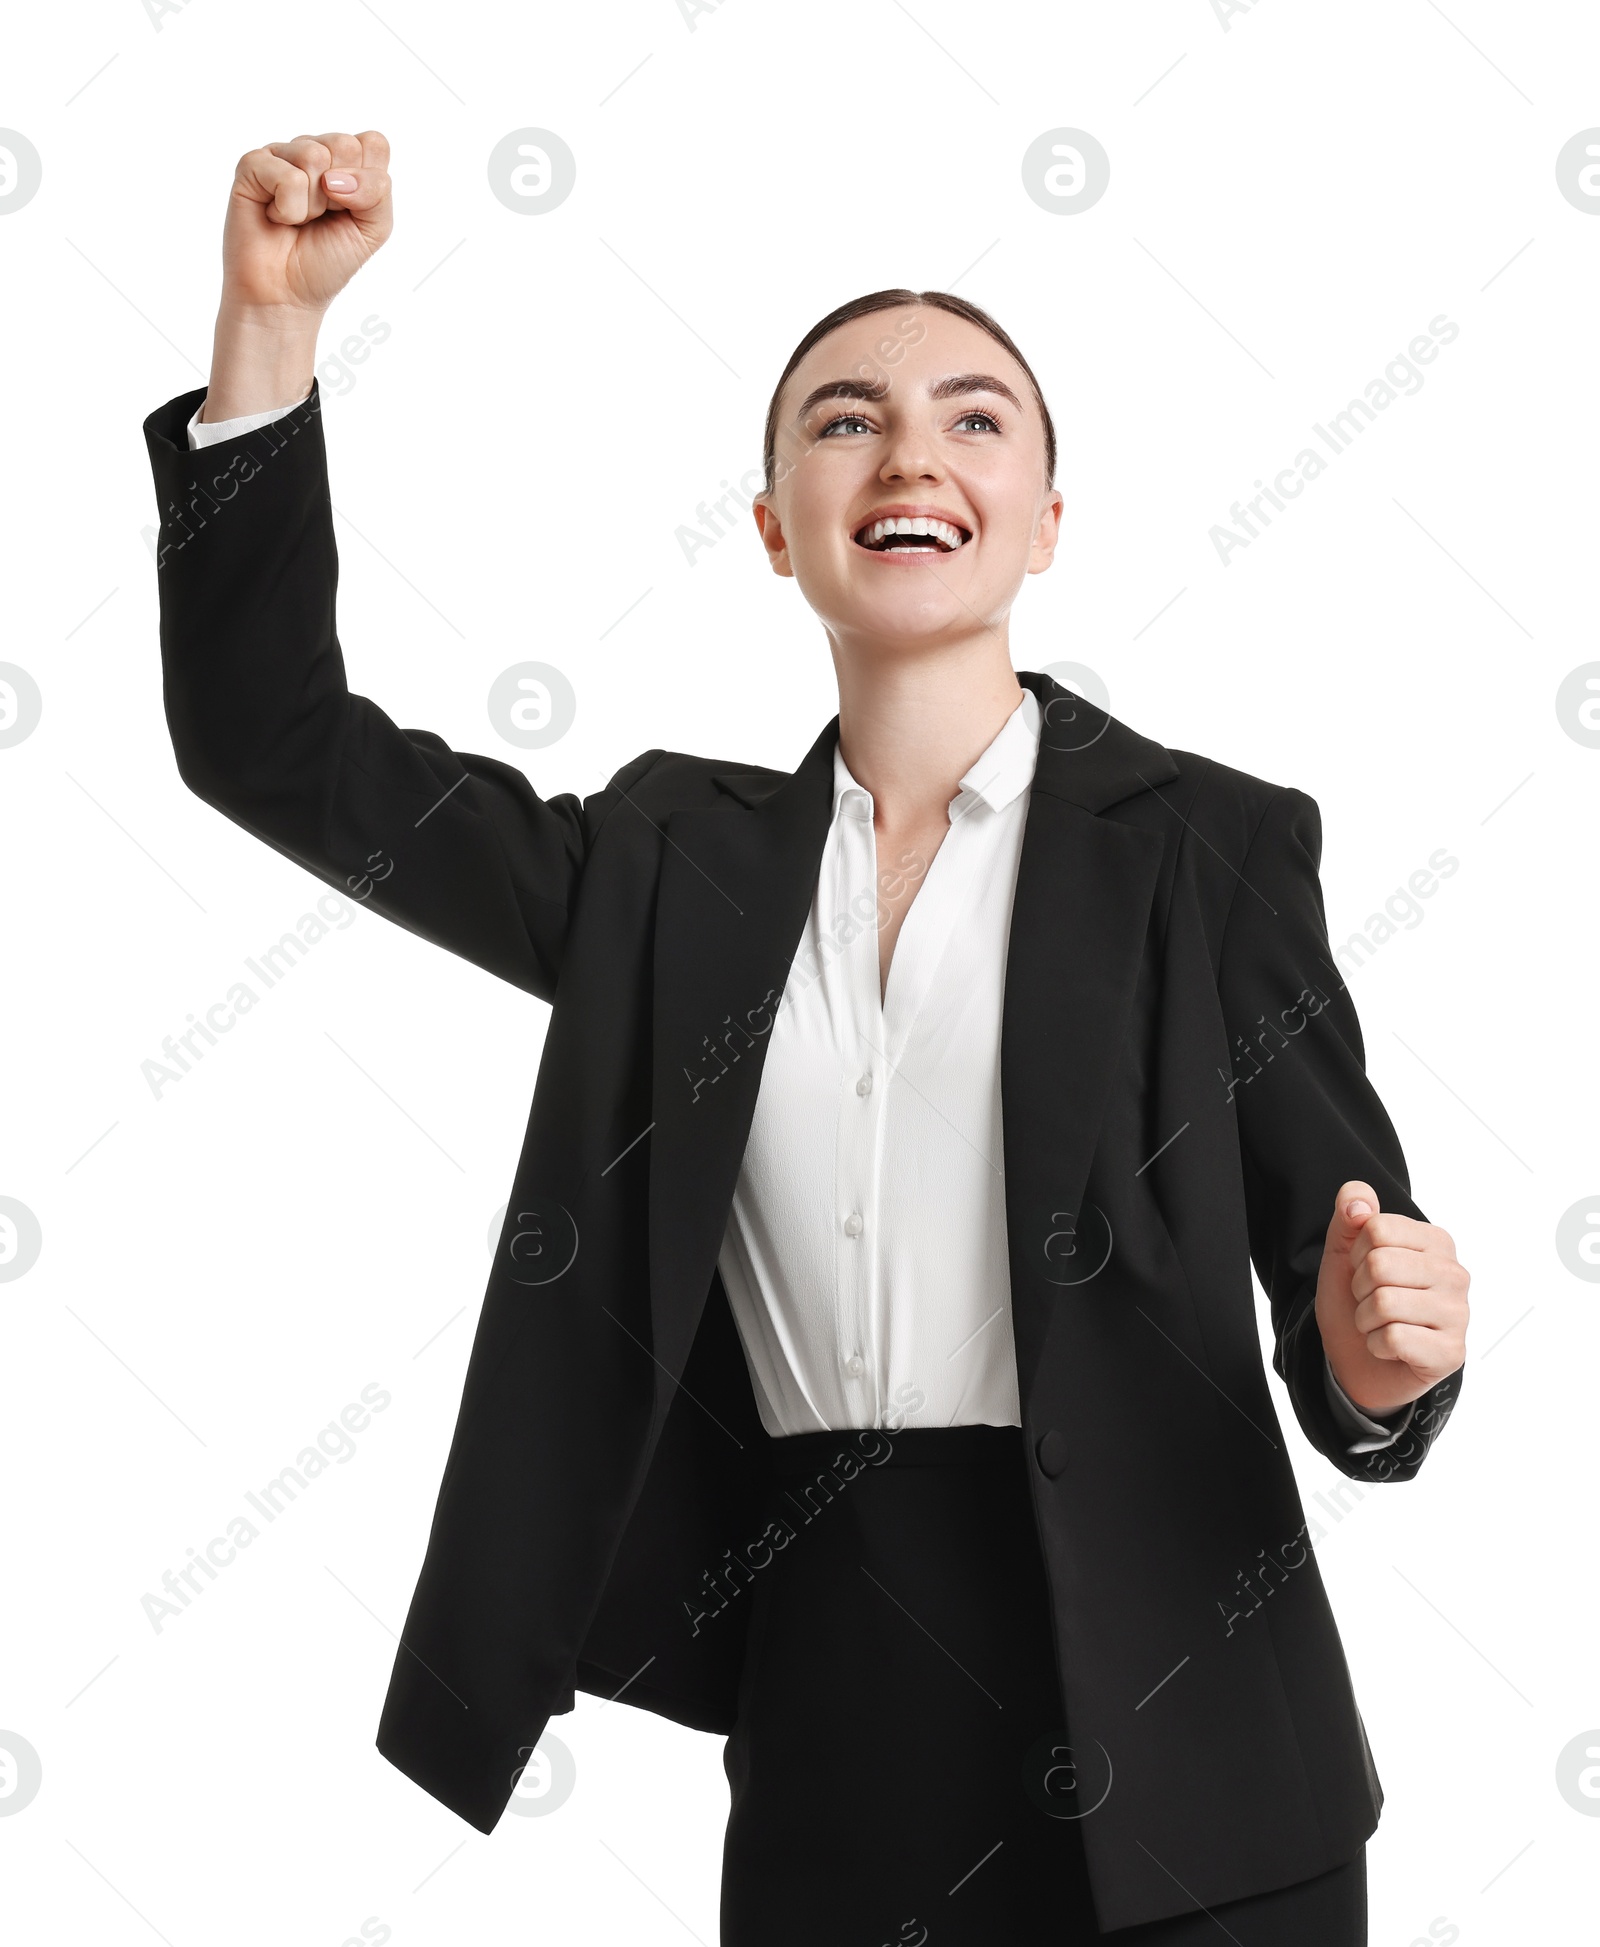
[(911, 534)]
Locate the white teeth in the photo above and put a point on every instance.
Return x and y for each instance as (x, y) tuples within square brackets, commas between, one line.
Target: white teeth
[(916, 524)]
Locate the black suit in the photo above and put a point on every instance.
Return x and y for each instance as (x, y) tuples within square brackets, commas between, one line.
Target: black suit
[(1168, 920)]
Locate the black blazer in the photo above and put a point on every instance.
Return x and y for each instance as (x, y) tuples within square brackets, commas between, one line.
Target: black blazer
[(1184, 1090)]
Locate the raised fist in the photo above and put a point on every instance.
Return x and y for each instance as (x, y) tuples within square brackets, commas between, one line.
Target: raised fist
[(303, 217)]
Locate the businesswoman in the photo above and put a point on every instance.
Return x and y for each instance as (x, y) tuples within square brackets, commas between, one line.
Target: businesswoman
[(868, 1372)]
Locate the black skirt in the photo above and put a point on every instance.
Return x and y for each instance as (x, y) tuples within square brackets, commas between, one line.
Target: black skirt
[(899, 1768)]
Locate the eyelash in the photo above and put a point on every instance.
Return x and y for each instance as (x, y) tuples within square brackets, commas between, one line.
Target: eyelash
[(844, 418)]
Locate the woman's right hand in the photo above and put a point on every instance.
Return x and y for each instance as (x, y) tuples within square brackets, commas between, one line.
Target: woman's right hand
[(291, 243)]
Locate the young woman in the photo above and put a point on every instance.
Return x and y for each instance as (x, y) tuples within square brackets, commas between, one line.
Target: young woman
[(869, 1369)]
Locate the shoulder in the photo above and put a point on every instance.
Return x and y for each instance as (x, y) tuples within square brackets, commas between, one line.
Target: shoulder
[(1223, 828), (1234, 811)]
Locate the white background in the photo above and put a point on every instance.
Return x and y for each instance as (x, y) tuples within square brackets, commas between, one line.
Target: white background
[(308, 1212)]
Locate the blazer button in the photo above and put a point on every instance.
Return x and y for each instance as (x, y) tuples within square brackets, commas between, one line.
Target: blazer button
[(1052, 1453)]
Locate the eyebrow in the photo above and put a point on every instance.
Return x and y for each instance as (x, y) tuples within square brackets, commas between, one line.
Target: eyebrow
[(955, 387)]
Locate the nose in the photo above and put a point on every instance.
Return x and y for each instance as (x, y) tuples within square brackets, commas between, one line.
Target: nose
[(913, 454)]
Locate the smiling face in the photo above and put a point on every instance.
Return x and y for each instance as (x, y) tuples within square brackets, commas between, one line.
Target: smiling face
[(911, 497)]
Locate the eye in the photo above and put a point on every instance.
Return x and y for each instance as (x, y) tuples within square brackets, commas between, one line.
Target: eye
[(845, 422), (991, 424)]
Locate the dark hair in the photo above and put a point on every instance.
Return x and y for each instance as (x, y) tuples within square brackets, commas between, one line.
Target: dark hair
[(860, 307)]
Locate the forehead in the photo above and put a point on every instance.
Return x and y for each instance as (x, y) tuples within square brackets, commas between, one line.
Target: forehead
[(905, 347)]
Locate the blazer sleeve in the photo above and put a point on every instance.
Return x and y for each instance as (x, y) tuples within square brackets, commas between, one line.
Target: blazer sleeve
[(457, 848), (1308, 1117)]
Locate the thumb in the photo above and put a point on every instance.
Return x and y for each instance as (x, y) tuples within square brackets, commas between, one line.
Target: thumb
[(1354, 1204)]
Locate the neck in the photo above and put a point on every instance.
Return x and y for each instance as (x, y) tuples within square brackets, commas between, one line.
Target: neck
[(911, 726)]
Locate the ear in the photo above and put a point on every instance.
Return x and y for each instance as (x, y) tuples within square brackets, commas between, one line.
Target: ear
[(772, 536), (1046, 534)]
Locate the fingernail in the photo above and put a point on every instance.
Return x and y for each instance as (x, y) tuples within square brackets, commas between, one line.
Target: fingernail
[(338, 182), (1358, 1207)]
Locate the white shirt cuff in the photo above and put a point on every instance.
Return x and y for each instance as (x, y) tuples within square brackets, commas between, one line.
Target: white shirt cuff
[(1367, 1435), (212, 432)]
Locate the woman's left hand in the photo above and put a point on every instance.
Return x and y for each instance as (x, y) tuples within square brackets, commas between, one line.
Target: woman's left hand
[(1391, 1302)]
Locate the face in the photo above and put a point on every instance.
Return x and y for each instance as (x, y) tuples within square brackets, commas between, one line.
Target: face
[(914, 417)]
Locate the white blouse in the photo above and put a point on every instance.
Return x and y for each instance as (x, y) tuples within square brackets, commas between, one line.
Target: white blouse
[(865, 1254)]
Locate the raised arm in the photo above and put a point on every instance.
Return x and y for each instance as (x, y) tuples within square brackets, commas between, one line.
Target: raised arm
[(455, 847)]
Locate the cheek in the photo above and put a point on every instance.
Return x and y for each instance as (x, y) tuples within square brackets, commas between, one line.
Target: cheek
[(1010, 524), (1020, 513), (1005, 495), (814, 521)]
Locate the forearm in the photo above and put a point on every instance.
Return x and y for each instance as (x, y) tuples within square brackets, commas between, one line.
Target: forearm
[(259, 361), (253, 679)]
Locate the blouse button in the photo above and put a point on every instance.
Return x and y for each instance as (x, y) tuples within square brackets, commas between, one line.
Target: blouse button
[(853, 1225), (855, 1365), (864, 1086)]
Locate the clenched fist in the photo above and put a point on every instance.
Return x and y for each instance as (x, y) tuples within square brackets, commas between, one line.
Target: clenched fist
[(1391, 1302), (303, 217)]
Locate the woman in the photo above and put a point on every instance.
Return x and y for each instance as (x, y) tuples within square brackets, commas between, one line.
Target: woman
[(869, 1369)]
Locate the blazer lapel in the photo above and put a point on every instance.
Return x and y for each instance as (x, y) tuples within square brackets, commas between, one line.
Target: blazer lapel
[(736, 885), (1078, 928), (735, 890)]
